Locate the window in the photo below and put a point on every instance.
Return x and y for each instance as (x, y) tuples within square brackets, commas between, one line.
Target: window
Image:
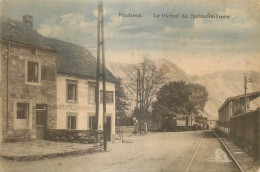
[(72, 90), (33, 72), (92, 123), (22, 111), (33, 51), (40, 107), (91, 94), (109, 97), (72, 122)]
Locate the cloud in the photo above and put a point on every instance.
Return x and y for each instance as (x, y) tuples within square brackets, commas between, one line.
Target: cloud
[(74, 28), (239, 21), (169, 30), (106, 11)]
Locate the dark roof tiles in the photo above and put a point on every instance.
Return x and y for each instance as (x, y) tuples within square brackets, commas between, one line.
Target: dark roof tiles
[(72, 59)]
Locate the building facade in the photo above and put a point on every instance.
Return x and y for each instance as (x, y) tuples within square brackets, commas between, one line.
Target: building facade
[(28, 91), (76, 109), (234, 106), (47, 85)]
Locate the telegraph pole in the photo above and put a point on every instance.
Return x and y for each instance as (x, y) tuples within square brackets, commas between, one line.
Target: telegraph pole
[(143, 92), (98, 73), (101, 46), (103, 77), (245, 87), (137, 88)]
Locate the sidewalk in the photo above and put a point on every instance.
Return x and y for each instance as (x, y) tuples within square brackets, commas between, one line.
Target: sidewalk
[(40, 149)]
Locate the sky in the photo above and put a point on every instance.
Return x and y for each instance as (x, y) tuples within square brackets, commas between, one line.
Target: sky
[(198, 46)]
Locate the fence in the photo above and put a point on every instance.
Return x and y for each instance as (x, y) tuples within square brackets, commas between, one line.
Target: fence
[(125, 129), (79, 136), (245, 130)]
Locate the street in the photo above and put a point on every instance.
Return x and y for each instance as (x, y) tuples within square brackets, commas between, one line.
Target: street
[(171, 151)]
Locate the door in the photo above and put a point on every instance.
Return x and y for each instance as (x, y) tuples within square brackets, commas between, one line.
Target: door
[(108, 128), (41, 121)]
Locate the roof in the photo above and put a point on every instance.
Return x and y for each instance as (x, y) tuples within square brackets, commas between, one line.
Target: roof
[(71, 59), (12, 30), (251, 97)]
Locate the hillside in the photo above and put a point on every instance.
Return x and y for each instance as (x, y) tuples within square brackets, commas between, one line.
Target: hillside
[(220, 85), (224, 84)]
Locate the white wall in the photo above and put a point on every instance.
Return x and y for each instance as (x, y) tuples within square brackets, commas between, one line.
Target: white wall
[(82, 107), (1, 134)]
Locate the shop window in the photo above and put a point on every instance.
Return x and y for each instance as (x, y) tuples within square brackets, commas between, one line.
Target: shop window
[(22, 111), (33, 72), (109, 97), (72, 122)]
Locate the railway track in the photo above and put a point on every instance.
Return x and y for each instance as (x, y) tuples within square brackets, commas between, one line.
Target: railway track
[(200, 157)]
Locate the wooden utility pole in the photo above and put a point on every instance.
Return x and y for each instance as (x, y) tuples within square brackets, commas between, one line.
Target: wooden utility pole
[(137, 88), (101, 46), (245, 87), (246, 80), (142, 101), (104, 77), (98, 72)]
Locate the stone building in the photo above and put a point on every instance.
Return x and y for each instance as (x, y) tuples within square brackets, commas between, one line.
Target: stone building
[(28, 82), (47, 86)]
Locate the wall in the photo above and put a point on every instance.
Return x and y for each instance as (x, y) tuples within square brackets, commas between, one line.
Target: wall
[(224, 115), (1, 134), (79, 136), (81, 108), (19, 90), (245, 129), (232, 107)]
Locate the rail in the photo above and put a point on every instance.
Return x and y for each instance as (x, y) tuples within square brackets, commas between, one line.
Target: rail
[(225, 147), (233, 158)]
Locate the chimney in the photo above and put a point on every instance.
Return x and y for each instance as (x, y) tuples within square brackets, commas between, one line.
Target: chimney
[(28, 20)]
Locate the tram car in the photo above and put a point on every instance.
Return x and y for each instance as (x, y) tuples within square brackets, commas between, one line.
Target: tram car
[(201, 123), (169, 122)]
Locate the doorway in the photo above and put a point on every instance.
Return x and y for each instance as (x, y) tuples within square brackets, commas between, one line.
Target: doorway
[(108, 128), (41, 121)]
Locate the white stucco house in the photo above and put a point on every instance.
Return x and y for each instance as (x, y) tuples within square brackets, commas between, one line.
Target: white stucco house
[(76, 83)]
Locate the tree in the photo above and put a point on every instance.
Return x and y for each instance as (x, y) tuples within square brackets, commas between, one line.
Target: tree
[(121, 100), (180, 98), (197, 99), (150, 80)]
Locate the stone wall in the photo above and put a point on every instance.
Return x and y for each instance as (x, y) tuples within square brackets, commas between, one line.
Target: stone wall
[(19, 90), (78, 136)]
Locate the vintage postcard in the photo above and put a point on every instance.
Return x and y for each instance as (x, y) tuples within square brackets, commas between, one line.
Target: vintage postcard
[(129, 85)]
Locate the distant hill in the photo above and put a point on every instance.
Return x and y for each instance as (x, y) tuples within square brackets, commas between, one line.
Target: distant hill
[(224, 84), (171, 71), (220, 85)]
